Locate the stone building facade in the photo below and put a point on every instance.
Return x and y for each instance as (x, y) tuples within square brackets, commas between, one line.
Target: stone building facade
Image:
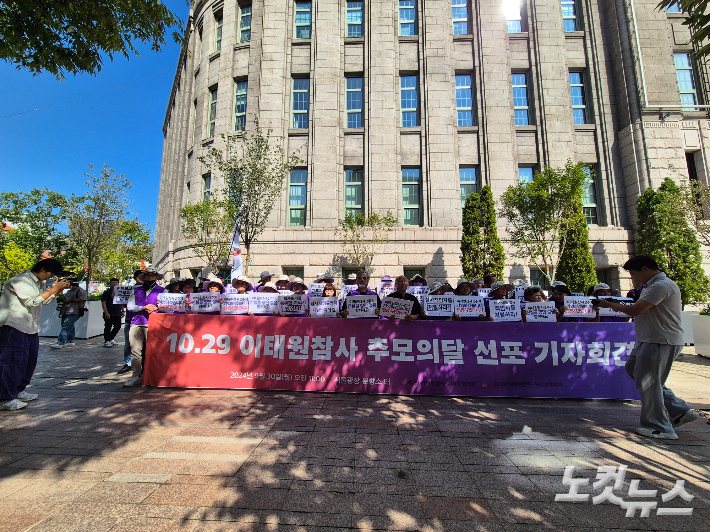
[(407, 105)]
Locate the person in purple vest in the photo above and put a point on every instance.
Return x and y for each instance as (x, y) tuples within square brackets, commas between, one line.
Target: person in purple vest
[(142, 303), (362, 280)]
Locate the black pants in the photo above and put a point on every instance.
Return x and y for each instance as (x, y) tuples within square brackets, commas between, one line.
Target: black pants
[(18, 359), (111, 327)]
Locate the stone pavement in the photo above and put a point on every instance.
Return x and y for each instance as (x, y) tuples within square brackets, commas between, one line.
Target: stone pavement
[(90, 455)]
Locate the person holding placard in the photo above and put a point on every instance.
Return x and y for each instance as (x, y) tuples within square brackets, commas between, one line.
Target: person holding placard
[(362, 280), (264, 277), (463, 288), (559, 291), (175, 286), (417, 280), (659, 334), (282, 283), (436, 289), (499, 291), (242, 284), (267, 288), (534, 295), (112, 314), (297, 286), (401, 284), (143, 302), (127, 329), (604, 290)]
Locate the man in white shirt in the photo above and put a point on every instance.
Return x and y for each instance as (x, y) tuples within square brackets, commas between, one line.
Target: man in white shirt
[(20, 309)]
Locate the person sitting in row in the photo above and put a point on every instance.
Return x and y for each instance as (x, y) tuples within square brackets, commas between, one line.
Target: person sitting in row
[(499, 290), (282, 282), (242, 284), (362, 280), (401, 284), (266, 288), (534, 294)]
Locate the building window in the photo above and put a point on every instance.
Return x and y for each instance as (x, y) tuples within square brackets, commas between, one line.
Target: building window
[(579, 106), (218, 32), (198, 45), (206, 187), (296, 271), (410, 101), (300, 102), (459, 13), (245, 23), (354, 101), (512, 14), (240, 104), (589, 198), (212, 115), (354, 19), (407, 17), (686, 81), (525, 174), (297, 197), (464, 100), (520, 99), (468, 182), (303, 20), (411, 271), (537, 278), (194, 121), (673, 8), (411, 196), (354, 191), (569, 15)]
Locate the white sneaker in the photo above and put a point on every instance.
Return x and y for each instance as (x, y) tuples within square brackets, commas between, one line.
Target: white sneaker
[(133, 381), (57, 346), (13, 405), (27, 396), (690, 416), (70, 344), (655, 433), (108, 344), (114, 342)]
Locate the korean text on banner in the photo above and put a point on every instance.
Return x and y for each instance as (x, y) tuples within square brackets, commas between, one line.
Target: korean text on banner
[(235, 304), (484, 292), (439, 306), (263, 303), (544, 311), (505, 309), (295, 304), (398, 308), (121, 294), (205, 302), (612, 312), (579, 307), (324, 307), (385, 289), (171, 303), (418, 291), (347, 289), (362, 306), (470, 306), (316, 289)]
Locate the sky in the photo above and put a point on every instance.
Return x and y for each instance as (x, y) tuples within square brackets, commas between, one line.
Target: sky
[(121, 127)]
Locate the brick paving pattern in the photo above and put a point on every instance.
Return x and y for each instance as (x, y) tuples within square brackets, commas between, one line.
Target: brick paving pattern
[(90, 455)]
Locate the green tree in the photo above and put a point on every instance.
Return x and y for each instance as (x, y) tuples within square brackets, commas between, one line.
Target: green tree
[(664, 234), (13, 259), (577, 267), (540, 214), (36, 218), (73, 37), (254, 167), (132, 243), (697, 20), (481, 250), (363, 236), (95, 222), (208, 226)]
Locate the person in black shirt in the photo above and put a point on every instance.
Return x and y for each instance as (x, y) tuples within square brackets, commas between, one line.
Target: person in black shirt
[(401, 283), (112, 315)]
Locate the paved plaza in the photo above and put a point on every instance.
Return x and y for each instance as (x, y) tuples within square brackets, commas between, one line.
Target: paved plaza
[(90, 455)]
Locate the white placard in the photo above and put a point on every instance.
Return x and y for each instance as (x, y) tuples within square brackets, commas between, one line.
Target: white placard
[(520, 292), (418, 291), (171, 303), (543, 311), (577, 294), (484, 292), (121, 294), (324, 307), (398, 308), (263, 303), (205, 302), (470, 306), (612, 312), (294, 304), (579, 307), (362, 306), (385, 289), (505, 309), (235, 304), (316, 289), (347, 289), (285, 292), (439, 305)]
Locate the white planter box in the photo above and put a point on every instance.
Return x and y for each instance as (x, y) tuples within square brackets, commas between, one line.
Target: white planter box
[(701, 334), (89, 325), (687, 322)]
